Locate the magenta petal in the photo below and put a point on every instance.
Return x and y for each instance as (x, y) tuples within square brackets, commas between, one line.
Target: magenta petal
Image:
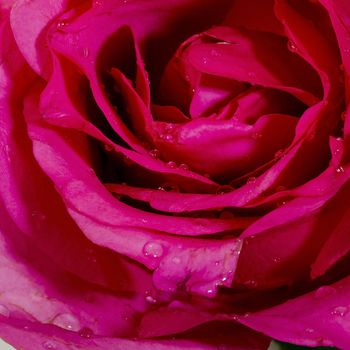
[(319, 318), (31, 39), (253, 62), (35, 336)]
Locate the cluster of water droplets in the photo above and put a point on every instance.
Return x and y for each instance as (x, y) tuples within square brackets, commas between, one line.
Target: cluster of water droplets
[(153, 249), (167, 132)]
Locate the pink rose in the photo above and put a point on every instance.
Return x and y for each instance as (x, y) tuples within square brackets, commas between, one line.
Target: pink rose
[(175, 174)]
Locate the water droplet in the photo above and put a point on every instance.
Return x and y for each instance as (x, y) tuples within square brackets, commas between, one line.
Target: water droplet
[(340, 311), (210, 292), (167, 137), (214, 53), (279, 154), (49, 345), (224, 189), (251, 74), (276, 259), (154, 153), (176, 260), (150, 299), (153, 249), (183, 166), (291, 46), (227, 215), (339, 169), (38, 215), (343, 116), (309, 330), (281, 203), (4, 311), (172, 165), (256, 135), (324, 292), (166, 132), (251, 180), (67, 321), (84, 51), (91, 255), (108, 148), (251, 283), (97, 3), (86, 332), (61, 24), (205, 60), (169, 187)]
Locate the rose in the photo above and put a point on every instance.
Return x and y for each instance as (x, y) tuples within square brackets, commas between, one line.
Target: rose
[(209, 207)]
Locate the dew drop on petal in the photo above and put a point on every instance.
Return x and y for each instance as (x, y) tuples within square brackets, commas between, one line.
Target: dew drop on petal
[(169, 187), (84, 52), (210, 292), (279, 154), (340, 311), (172, 165), (176, 260), (183, 166), (61, 24), (86, 332), (154, 153), (108, 148), (224, 189), (309, 330), (291, 46), (214, 53), (150, 299), (227, 215), (167, 137), (256, 135), (251, 283), (49, 344), (251, 180), (339, 169), (97, 3), (153, 249), (67, 321)]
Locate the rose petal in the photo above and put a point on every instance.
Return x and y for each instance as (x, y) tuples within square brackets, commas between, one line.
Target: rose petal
[(253, 53), (319, 318), (31, 38)]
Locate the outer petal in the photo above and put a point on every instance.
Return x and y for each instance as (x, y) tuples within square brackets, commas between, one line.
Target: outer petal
[(314, 319), (29, 20), (34, 336)]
